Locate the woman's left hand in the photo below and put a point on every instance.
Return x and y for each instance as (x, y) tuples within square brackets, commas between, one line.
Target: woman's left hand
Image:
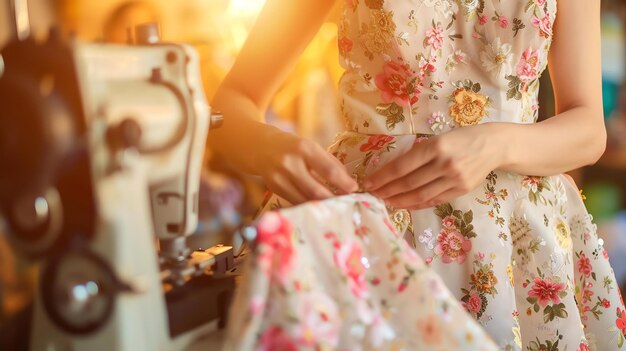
[(438, 169)]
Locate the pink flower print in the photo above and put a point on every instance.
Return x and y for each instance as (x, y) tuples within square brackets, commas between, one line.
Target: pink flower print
[(539, 2), (527, 66), (437, 122), (376, 142), (353, 3), (584, 265), (449, 222), (397, 83), (545, 290), (606, 303), (434, 37), (621, 321), (587, 293), (274, 235), (483, 19), (275, 338), (427, 66), (420, 139), (379, 331), (544, 24), (345, 45), (348, 260), (318, 320), (257, 306), (361, 231), (583, 347), (431, 330), (503, 21), (375, 160), (452, 246), (532, 182), (473, 304), (459, 56)]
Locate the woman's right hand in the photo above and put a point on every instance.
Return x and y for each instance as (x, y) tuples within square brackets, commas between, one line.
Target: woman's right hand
[(300, 170), (296, 169)]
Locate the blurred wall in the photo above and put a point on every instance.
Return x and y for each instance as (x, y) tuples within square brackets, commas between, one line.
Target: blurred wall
[(41, 14)]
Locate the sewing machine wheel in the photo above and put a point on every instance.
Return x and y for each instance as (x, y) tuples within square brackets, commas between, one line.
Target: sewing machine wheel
[(78, 291)]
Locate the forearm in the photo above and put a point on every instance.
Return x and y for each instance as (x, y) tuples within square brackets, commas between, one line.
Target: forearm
[(279, 36), (294, 168), (559, 144), (243, 134)]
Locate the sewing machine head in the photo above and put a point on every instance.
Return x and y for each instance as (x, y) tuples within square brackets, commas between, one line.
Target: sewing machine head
[(101, 148)]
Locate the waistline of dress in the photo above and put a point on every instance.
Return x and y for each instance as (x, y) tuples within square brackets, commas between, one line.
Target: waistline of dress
[(400, 135)]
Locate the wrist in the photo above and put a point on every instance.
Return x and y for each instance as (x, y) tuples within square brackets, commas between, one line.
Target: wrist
[(502, 141), (264, 142)]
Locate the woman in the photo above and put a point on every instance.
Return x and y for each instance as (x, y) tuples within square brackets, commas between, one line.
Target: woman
[(440, 103)]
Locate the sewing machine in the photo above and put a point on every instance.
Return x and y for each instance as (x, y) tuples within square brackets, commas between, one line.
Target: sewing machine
[(101, 150)]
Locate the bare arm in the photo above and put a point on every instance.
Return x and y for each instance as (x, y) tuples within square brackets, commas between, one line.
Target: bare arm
[(438, 170), (294, 168), (575, 136)]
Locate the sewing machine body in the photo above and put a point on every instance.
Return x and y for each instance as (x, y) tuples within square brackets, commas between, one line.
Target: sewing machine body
[(146, 120)]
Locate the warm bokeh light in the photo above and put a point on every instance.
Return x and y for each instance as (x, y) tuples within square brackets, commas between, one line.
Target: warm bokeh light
[(246, 8)]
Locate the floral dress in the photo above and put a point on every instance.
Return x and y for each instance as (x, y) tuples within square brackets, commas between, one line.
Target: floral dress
[(335, 275), (520, 252)]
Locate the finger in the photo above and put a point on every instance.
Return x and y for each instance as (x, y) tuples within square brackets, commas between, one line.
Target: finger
[(423, 194), (401, 166), (412, 181), (283, 187), (306, 183), (444, 197), (328, 167)]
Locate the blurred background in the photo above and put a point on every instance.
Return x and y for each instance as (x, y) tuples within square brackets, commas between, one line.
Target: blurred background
[(307, 102)]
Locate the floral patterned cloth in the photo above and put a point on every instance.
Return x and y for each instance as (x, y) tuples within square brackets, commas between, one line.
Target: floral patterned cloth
[(520, 252), (334, 275)]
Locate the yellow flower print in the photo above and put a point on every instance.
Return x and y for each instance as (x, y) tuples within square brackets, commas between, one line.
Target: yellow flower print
[(509, 272), (377, 37), (384, 21), (401, 220), (469, 107), (484, 281), (563, 234)]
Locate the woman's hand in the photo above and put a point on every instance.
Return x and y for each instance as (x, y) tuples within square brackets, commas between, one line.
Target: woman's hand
[(438, 169), (294, 168), (300, 170)]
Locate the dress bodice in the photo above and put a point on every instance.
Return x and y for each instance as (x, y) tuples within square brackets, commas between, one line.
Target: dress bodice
[(426, 66)]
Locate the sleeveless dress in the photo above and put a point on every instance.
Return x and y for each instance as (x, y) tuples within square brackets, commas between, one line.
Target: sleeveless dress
[(520, 252)]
